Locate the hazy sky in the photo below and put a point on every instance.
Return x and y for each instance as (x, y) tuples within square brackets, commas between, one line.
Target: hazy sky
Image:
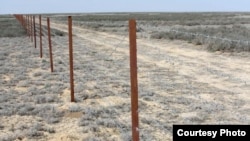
[(82, 6)]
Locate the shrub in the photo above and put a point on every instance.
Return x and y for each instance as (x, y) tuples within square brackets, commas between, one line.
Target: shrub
[(56, 32), (110, 123), (1, 127), (35, 131), (40, 99), (74, 108), (25, 109), (5, 110), (37, 74), (8, 137), (49, 113), (160, 35)]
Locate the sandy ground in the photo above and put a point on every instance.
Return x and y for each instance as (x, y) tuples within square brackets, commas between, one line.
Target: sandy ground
[(179, 83)]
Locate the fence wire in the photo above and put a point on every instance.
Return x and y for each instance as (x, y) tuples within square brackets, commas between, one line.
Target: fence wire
[(102, 74), (98, 64)]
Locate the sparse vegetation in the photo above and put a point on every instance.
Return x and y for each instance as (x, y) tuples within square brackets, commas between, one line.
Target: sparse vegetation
[(177, 82), (1, 127), (221, 38), (9, 27), (55, 32), (232, 26), (74, 108), (31, 132)]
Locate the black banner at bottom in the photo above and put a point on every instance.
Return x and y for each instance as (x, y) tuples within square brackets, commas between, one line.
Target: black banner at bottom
[(211, 132)]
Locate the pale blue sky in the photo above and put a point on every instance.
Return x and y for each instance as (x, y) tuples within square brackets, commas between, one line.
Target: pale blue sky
[(84, 6)]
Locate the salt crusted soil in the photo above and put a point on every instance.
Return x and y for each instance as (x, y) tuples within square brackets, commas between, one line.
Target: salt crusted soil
[(179, 83)]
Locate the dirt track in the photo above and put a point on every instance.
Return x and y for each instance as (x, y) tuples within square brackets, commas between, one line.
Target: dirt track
[(178, 84)]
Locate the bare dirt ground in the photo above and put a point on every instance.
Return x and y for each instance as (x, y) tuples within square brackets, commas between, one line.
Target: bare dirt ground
[(179, 83)]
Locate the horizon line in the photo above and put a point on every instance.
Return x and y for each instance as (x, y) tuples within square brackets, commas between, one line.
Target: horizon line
[(130, 12)]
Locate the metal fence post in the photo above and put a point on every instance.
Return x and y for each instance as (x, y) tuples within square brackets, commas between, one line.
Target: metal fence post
[(40, 27), (133, 79), (34, 25), (50, 46), (28, 25), (31, 27), (71, 58)]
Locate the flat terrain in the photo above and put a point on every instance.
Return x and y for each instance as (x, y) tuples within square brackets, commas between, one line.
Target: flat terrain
[(179, 83)]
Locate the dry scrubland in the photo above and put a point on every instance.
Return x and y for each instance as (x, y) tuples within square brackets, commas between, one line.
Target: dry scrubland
[(180, 82), (233, 26)]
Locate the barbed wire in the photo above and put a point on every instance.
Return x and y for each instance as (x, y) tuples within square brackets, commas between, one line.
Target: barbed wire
[(116, 45), (102, 56), (121, 39), (107, 53)]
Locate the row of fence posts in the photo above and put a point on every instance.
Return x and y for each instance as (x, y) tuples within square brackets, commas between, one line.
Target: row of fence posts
[(29, 24)]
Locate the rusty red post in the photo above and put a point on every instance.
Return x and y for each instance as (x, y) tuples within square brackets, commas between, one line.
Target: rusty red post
[(22, 19), (17, 16), (71, 58), (40, 27), (34, 29), (133, 79), (31, 28), (28, 25), (50, 46), (24, 22)]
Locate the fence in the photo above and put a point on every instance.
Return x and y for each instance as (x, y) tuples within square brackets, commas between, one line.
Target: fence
[(161, 83), (28, 22)]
